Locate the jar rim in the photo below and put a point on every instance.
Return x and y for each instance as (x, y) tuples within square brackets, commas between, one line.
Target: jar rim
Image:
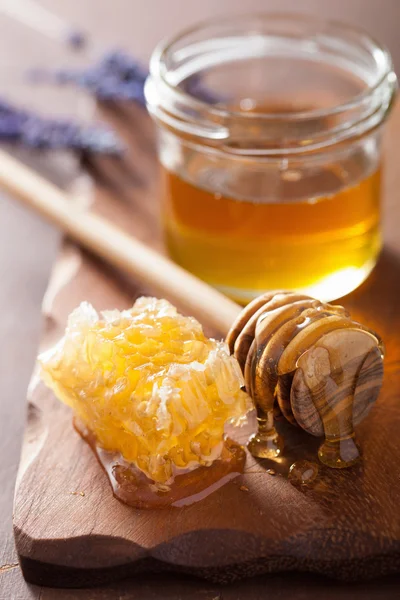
[(217, 113)]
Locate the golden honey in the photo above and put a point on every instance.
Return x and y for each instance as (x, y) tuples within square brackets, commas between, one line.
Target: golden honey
[(321, 245), (270, 141), (152, 395)]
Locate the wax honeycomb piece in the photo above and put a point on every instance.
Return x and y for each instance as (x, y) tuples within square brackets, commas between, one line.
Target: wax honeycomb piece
[(147, 383)]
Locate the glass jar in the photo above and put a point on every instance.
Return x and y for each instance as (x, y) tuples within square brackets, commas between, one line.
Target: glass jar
[(270, 146)]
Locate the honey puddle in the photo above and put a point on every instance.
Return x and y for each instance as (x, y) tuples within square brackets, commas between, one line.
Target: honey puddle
[(133, 487), (303, 472)]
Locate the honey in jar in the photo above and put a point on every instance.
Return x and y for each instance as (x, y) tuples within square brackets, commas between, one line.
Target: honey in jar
[(270, 146), (321, 246)]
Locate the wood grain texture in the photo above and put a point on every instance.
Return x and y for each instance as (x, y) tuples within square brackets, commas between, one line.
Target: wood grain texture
[(71, 531), (131, 23), (318, 412), (311, 361)]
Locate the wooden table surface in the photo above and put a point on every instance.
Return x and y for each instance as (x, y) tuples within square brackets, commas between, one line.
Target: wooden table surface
[(27, 249)]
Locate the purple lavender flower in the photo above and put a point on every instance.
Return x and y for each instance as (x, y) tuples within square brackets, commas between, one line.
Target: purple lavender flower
[(76, 39), (34, 131), (117, 76)]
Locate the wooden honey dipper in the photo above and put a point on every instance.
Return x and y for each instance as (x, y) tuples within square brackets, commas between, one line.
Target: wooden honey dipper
[(323, 369)]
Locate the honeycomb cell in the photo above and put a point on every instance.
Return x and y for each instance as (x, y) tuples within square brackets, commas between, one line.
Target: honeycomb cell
[(148, 384)]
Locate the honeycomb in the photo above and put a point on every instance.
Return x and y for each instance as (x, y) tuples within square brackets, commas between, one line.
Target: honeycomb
[(147, 383)]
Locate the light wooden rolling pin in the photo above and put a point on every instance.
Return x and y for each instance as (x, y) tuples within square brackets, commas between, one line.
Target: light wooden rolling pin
[(116, 247)]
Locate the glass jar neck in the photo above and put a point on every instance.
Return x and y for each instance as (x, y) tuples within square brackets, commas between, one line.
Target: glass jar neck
[(184, 93)]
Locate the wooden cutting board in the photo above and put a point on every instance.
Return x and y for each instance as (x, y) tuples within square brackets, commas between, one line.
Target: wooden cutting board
[(71, 531)]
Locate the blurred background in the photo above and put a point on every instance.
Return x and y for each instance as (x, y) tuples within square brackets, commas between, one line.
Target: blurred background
[(140, 24)]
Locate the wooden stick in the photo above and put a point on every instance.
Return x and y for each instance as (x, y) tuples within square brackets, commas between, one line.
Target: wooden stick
[(37, 17), (116, 247)]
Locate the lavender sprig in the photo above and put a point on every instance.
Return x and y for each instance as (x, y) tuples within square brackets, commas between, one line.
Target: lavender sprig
[(117, 76), (76, 39), (32, 130)]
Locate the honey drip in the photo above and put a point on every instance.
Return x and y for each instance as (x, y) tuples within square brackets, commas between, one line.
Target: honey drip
[(303, 472), (342, 371), (152, 395), (133, 487), (323, 369)]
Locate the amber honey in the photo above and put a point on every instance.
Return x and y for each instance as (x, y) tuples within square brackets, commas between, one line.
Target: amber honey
[(270, 140), (323, 245), (151, 394)]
